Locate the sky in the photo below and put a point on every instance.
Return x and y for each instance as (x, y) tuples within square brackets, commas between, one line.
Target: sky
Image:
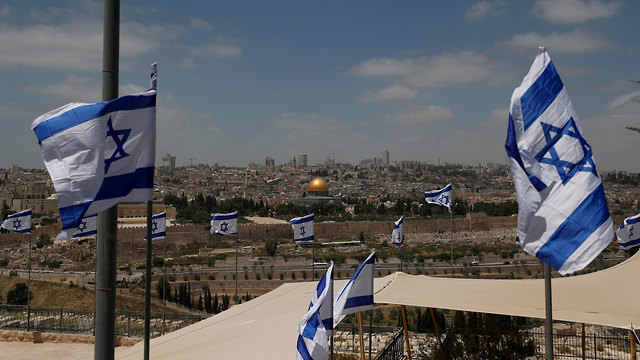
[(245, 79)]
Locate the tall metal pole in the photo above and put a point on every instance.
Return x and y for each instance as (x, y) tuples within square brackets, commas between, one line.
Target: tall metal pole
[(451, 240), (147, 281), (29, 286), (548, 325), (106, 251), (235, 299)]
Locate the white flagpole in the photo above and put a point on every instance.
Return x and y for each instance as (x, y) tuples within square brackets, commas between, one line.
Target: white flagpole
[(333, 328)]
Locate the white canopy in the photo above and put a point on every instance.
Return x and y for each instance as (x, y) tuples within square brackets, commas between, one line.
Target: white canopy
[(265, 327)]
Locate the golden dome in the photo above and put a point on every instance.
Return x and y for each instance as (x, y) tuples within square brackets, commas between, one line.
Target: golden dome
[(318, 184)]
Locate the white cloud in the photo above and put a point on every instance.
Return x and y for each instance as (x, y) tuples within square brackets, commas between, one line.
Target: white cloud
[(430, 114), (485, 9), (574, 42), (575, 11), (200, 24), (79, 89), (448, 68), (391, 93), (626, 103), (307, 122)]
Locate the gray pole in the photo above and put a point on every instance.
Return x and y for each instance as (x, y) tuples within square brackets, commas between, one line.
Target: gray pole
[(147, 281), (548, 325), (29, 287), (451, 240), (235, 299), (106, 251)]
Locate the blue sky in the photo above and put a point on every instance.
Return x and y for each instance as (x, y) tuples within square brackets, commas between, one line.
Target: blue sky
[(240, 80)]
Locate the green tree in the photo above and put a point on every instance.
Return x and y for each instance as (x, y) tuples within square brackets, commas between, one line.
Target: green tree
[(271, 247), (18, 295)]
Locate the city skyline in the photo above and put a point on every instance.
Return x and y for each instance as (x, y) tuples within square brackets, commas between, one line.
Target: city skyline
[(241, 81)]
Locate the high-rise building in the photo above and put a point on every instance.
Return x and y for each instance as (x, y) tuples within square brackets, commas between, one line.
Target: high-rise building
[(169, 162), (302, 160), (385, 158), (269, 162)]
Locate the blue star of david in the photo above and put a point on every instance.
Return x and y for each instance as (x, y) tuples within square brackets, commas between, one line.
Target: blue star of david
[(154, 226), (224, 227), (82, 226), (17, 223), (119, 137), (302, 230), (444, 199), (630, 230), (549, 154)]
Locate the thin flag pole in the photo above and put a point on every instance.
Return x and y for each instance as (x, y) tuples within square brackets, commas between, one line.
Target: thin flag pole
[(164, 283), (236, 296), (333, 329), (360, 336), (313, 261), (548, 325), (370, 330), (451, 240), (147, 280), (406, 330), (29, 286)]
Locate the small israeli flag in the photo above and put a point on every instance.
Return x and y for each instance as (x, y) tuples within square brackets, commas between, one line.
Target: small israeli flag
[(302, 228), (628, 236), (316, 325), (563, 218), (158, 226), (224, 224), (19, 222), (88, 227), (99, 154), (440, 197), (396, 234), (357, 294)]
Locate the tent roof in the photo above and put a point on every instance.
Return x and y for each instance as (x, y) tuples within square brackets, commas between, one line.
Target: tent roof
[(265, 327)]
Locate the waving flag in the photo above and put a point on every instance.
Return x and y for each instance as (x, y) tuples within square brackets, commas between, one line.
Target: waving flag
[(158, 226), (224, 224), (440, 197), (629, 237), (302, 228), (563, 218), (19, 222), (357, 294), (99, 154), (88, 227), (396, 234), (316, 325)]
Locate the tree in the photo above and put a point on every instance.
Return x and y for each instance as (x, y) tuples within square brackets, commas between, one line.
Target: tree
[(271, 247), (18, 295)]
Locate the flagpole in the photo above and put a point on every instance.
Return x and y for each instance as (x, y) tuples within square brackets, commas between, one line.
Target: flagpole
[(107, 238), (236, 296), (147, 280), (29, 286), (548, 325), (164, 282), (360, 336), (451, 239), (331, 312), (313, 261)]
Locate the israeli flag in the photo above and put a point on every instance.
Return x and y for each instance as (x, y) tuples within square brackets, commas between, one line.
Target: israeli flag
[(88, 227), (563, 218), (316, 325), (357, 294), (396, 234), (440, 197), (224, 224), (302, 228), (629, 237), (99, 154), (158, 226), (19, 222)]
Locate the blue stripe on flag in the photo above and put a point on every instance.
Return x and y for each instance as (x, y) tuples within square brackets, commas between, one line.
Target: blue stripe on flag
[(629, 244), (158, 234), (159, 216), (70, 216), (358, 301), (224, 217), (23, 231), (302, 349), (311, 327), (85, 234), (302, 220), (512, 151), (540, 95), (308, 238), (569, 236), (632, 220), (121, 185), (81, 114)]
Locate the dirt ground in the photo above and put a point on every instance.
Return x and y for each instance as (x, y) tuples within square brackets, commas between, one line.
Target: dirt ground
[(31, 351)]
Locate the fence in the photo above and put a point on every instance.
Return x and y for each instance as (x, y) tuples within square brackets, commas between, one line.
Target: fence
[(603, 344), (347, 340), (81, 321)]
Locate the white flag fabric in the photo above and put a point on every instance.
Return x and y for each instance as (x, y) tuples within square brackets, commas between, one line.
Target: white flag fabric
[(563, 218), (302, 228), (629, 237), (19, 222), (316, 325), (396, 234), (158, 226), (88, 227), (99, 154), (440, 197), (224, 224), (357, 294)]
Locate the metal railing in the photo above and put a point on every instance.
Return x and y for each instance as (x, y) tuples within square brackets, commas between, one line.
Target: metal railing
[(81, 321), (347, 340), (394, 349), (605, 344)]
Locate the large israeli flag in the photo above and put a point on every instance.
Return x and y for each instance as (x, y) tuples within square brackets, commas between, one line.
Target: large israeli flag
[(440, 197), (88, 227), (563, 217), (396, 234), (99, 154), (302, 228), (628, 236), (224, 224), (158, 226), (19, 222), (316, 325), (357, 294)]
